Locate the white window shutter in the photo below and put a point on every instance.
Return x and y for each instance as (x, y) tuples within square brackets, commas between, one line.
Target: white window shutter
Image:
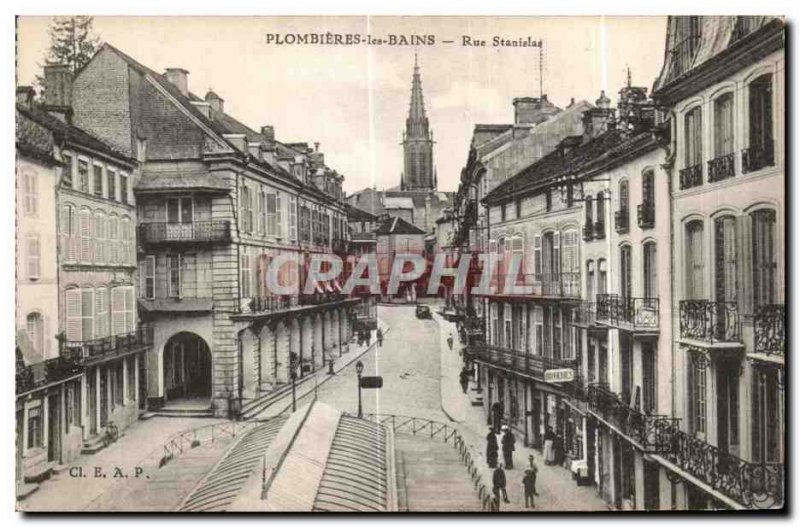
[(130, 314), (73, 311), (87, 314), (101, 312), (85, 240), (117, 311)]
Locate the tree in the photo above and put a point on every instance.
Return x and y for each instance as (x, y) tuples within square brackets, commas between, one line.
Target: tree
[(72, 42)]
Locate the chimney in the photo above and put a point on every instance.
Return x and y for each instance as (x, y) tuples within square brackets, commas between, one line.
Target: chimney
[(216, 102), (268, 131), (58, 85), (203, 107), (25, 96), (179, 78), (532, 110)]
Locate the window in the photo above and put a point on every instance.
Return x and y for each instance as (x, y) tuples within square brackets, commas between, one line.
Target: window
[(34, 257), (624, 198), (649, 376), (86, 236), (293, 220), (590, 290), (245, 275), (589, 211), (723, 125), (83, 176), (69, 233), (180, 210), (272, 221), (278, 216), (697, 385), (693, 137), (73, 403), (149, 277), (539, 329), (600, 213), (31, 201), (548, 199), (602, 277), (72, 302), (261, 212), (503, 212), (98, 180), (121, 310), (35, 427), (87, 314), (695, 261), (101, 312), (765, 258), (247, 209), (761, 151), (648, 189), (113, 237), (67, 171), (727, 407), (35, 330), (100, 235), (569, 255), (766, 436), (125, 240), (518, 207), (725, 258), (123, 188), (625, 285), (174, 274), (650, 278), (111, 178)]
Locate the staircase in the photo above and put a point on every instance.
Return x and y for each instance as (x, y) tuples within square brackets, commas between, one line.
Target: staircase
[(221, 486), (435, 478)]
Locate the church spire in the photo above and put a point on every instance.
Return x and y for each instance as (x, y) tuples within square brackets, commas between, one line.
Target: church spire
[(417, 140), (417, 122)]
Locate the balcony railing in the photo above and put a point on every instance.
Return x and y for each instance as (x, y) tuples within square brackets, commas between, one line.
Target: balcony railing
[(758, 157), (270, 303), (525, 363), (585, 314), (320, 298), (691, 176), (682, 55), (646, 215), (588, 232), (711, 322), (599, 230), (628, 312), (96, 350), (194, 232), (565, 285), (721, 168), (46, 372), (753, 485), (645, 429), (622, 221), (769, 330)]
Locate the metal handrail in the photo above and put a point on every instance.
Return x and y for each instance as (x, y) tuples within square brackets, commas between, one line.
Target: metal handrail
[(179, 443), (433, 429)]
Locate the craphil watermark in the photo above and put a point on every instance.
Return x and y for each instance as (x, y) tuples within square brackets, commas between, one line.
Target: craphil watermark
[(482, 273)]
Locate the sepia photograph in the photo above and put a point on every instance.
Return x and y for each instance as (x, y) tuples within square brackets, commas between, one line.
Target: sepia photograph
[(403, 264)]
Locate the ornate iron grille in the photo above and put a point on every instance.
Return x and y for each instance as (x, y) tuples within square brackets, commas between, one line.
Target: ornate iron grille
[(709, 321)]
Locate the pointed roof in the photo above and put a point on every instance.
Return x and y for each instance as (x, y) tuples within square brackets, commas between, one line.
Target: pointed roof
[(416, 109)]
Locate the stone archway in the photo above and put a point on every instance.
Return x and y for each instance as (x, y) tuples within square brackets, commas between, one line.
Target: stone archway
[(187, 368)]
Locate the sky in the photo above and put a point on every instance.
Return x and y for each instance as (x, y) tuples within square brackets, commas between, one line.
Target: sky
[(353, 100)]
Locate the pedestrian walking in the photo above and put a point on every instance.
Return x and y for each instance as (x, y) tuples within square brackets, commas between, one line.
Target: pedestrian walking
[(497, 415), (508, 446), (380, 338), (463, 378), (450, 341), (499, 483), (491, 448), (533, 468), (529, 487)]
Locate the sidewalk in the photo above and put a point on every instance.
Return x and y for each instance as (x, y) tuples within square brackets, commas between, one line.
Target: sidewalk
[(311, 382), (557, 490)]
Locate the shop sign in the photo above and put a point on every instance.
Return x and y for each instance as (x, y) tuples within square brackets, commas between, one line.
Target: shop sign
[(561, 375)]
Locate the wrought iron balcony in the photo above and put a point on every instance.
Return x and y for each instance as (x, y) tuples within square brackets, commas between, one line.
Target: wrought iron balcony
[(646, 215), (710, 322), (599, 230), (525, 363), (622, 221), (691, 176), (758, 157), (270, 303), (645, 429), (566, 285), (629, 313), (98, 350), (46, 372), (769, 330), (216, 231), (588, 232), (721, 168), (753, 485), (585, 315)]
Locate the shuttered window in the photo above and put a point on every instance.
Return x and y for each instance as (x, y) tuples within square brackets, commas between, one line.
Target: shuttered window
[(101, 312), (118, 323), (31, 192), (87, 314), (125, 241), (245, 275), (693, 137), (695, 261), (72, 301), (261, 212), (149, 277), (272, 225), (98, 180), (100, 237), (537, 256), (725, 258), (765, 258), (33, 257), (113, 239), (292, 220), (86, 239), (760, 113), (624, 196), (723, 125), (278, 216), (35, 330), (648, 188), (174, 274), (111, 178), (83, 176), (650, 277), (130, 313)]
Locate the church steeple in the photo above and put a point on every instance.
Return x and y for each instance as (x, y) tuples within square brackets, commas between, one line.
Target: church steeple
[(417, 140)]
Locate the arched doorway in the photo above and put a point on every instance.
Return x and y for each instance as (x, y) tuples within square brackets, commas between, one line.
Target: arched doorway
[(187, 368)]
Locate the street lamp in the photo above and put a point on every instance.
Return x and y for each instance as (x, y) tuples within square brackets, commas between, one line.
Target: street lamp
[(359, 370), (293, 371)]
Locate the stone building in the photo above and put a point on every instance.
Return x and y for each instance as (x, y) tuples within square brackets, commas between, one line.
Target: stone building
[(218, 203)]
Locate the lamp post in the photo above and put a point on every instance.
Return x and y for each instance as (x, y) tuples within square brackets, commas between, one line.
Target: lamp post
[(359, 369), (293, 372)]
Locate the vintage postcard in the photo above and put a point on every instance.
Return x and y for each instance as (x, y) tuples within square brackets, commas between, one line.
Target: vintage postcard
[(400, 264)]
